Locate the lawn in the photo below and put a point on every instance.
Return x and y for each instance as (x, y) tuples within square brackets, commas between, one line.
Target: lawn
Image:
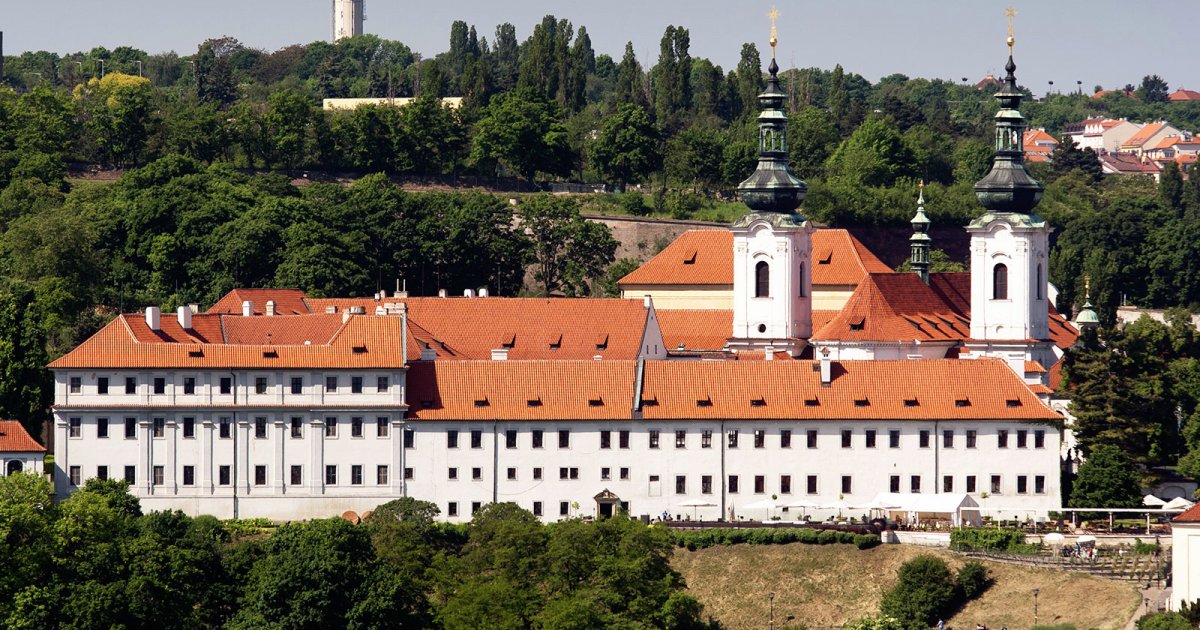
[(829, 585)]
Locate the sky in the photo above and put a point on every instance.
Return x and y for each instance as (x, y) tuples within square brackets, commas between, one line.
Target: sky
[(1096, 42)]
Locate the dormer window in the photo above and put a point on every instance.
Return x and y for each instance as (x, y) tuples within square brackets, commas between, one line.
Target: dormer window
[(511, 343), (270, 354), (359, 349), (556, 344), (481, 402), (195, 354), (758, 402), (762, 279), (812, 402), (911, 402), (595, 402), (1012, 402), (533, 402), (862, 402), (858, 323), (690, 260), (602, 343), (704, 402), (962, 402)]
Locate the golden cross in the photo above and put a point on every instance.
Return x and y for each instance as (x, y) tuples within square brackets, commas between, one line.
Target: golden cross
[(774, 15), (1087, 286), (1011, 13)]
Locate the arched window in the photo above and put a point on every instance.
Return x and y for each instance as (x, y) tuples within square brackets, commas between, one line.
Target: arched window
[(1039, 281), (762, 280), (1000, 282), (801, 280)]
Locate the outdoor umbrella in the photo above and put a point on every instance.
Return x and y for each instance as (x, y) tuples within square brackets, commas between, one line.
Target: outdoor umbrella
[(1178, 503), (764, 504), (1152, 501), (1053, 538), (696, 504)]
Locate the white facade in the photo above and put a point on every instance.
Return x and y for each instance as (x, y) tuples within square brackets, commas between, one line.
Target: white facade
[(348, 18), (1098, 136), (1185, 560), (776, 310), (12, 462)]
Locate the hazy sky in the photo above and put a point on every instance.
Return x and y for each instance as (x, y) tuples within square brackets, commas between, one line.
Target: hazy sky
[(1107, 42)]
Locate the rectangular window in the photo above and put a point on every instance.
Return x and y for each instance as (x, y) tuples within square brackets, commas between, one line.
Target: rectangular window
[(476, 439), (356, 475), (475, 507), (537, 473), (331, 384), (810, 484), (226, 384), (536, 436), (605, 474), (605, 439), (410, 438), (785, 484), (623, 439), (260, 385), (894, 484), (970, 483), (653, 433), (706, 484), (408, 474), (225, 428), (189, 385), (893, 438), (914, 484), (733, 484), (680, 484), (680, 439), (156, 472), (160, 385), (297, 426), (131, 385), (562, 472), (130, 475), (331, 474), (102, 472), (159, 427), (995, 484), (512, 474), (760, 438), (102, 385), (451, 438), (564, 508), (331, 427), (510, 438), (847, 436), (733, 438), (1039, 439), (948, 438), (476, 474), (760, 484), (847, 484), (564, 438), (189, 427), (356, 384), (222, 475), (75, 427), (130, 428), (260, 428), (297, 476), (971, 438), (74, 475), (382, 426), (382, 384), (947, 483), (356, 427), (810, 438), (102, 427), (76, 385), (452, 508), (537, 508), (706, 439), (923, 438), (785, 438), (1022, 484), (297, 385), (624, 474), (452, 473), (1022, 438), (871, 438), (1039, 484), (1002, 438), (260, 475)]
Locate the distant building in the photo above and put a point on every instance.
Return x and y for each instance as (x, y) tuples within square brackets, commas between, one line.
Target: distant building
[(347, 18), (1148, 137), (1102, 134), (1039, 145), (1129, 164), (1184, 95), (19, 452), (989, 81), (334, 104)]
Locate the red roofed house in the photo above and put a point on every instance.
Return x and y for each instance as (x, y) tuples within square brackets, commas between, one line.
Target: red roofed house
[(1039, 145), (1148, 137), (19, 452), (785, 361), (1184, 95), (1102, 134)]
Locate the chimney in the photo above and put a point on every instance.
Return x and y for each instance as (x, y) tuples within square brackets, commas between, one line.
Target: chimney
[(346, 316), (428, 354), (330, 310), (247, 308), (483, 292), (185, 317), (195, 308), (469, 293), (441, 293), (152, 317), (500, 354), (270, 308), (769, 353), (826, 368), (646, 302)]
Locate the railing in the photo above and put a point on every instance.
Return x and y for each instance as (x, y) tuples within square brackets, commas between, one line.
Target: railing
[(1106, 563)]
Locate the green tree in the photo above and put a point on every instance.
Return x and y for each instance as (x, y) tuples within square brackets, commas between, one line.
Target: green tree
[(26, 388), (672, 78), (1152, 90), (431, 137), (749, 79), (524, 133), (286, 129), (924, 591), (1170, 186), (1165, 621), (1107, 478), (629, 86), (812, 137), (26, 517), (568, 252), (626, 149), (1067, 157), (505, 57), (874, 155)]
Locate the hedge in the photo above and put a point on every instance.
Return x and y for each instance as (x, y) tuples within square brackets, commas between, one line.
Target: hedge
[(986, 539), (701, 539)]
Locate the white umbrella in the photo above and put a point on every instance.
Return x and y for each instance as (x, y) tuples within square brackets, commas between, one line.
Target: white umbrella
[(1053, 538), (1085, 539), (764, 504), (1152, 501), (1178, 503), (696, 504), (800, 503)]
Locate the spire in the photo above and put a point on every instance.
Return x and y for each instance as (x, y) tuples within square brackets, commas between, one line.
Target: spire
[(772, 187), (1087, 318), (920, 239), (1008, 188)]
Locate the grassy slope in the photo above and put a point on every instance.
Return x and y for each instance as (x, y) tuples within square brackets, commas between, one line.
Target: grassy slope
[(830, 585)]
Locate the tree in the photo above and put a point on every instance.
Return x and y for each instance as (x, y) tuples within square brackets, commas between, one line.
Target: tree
[(1170, 186), (524, 133), (672, 78), (924, 591), (214, 73), (569, 252), (1067, 157), (26, 388), (837, 99), (749, 79), (626, 149), (1107, 479), (1165, 621), (874, 155), (119, 116), (629, 86), (505, 57), (1152, 90), (286, 129)]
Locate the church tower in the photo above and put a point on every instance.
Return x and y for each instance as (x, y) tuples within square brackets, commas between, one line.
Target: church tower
[(772, 244), (1010, 247)]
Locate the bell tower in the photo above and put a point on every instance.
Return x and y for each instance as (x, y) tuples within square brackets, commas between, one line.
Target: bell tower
[(772, 243)]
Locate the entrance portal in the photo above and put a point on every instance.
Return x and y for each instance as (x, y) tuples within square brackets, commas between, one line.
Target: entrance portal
[(607, 504)]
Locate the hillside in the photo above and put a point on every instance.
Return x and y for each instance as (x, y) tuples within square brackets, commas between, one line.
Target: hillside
[(831, 585)]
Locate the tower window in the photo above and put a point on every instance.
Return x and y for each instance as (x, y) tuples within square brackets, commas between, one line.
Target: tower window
[(1039, 282), (801, 290), (762, 279), (1000, 282)]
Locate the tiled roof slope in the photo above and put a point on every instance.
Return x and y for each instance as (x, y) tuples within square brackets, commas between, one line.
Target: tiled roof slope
[(15, 439), (860, 390), (521, 390), (1191, 515), (287, 301), (1143, 134), (1184, 95), (696, 329), (705, 257), (895, 307), (361, 342)]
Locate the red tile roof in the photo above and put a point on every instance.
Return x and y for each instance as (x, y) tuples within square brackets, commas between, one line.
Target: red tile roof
[(705, 257), (1143, 135), (895, 307), (1190, 515), (696, 329), (1129, 163), (1184, 95), (860, 390), (287, 301), (15, 439)]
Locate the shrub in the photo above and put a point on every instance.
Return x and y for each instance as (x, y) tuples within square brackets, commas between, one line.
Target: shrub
[(633, 203), (987, 539), (1143, 548), (703, 539), (973, 579), (1164, 621), (924, 592)]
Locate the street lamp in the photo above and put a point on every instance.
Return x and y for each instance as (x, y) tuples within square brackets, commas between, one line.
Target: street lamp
[(771, 596), (1050, 90), (139, 62), (1080, 84), (101, 68), (1035, 615)]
